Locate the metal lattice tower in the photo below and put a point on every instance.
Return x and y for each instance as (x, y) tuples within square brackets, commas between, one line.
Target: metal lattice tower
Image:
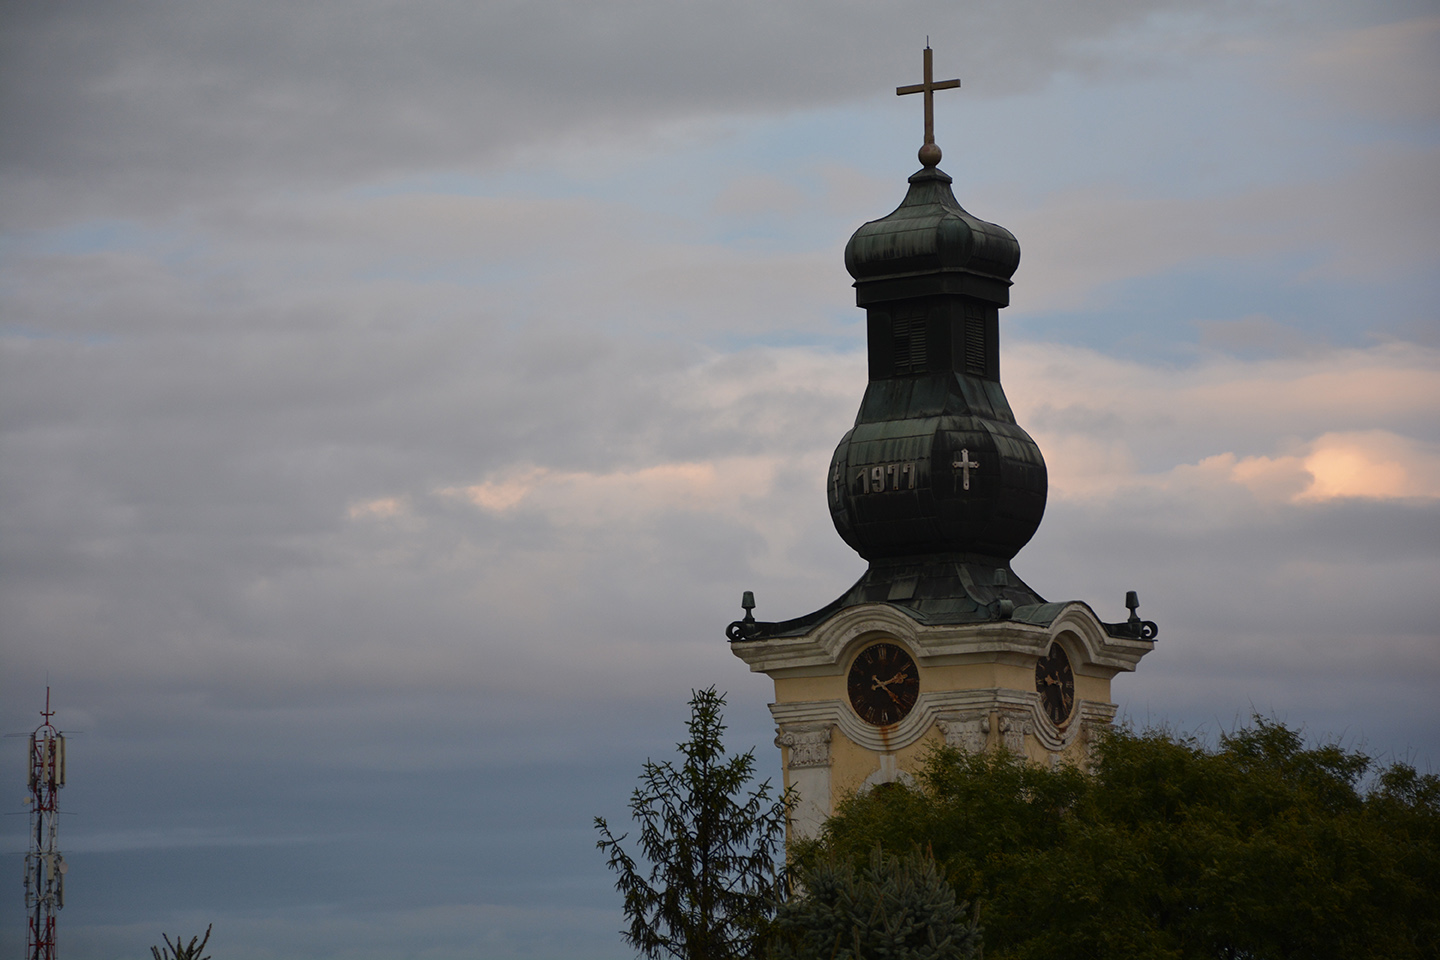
[(44, 867)]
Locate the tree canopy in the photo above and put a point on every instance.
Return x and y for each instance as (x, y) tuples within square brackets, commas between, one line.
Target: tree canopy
[(892, 908), (1257, 847)]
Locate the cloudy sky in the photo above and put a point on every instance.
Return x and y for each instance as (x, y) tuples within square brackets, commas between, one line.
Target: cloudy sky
[(397, 397)]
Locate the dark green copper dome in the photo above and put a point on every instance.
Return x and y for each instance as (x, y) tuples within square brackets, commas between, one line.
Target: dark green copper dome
[(935, 463), (930, 234), (936, 485)]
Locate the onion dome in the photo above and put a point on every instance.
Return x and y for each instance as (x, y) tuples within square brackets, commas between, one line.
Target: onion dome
[(936, 485), (931, 243), (935, 464)]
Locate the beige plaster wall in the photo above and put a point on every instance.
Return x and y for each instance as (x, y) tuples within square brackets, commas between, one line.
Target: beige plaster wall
[(851, 764), (803, 689), (1092, 688)]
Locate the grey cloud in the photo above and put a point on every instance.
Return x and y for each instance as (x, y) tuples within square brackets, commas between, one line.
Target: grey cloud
[(114, 111), (1375, 221)]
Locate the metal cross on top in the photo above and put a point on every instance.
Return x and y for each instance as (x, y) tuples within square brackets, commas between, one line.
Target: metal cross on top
[(928, 157)]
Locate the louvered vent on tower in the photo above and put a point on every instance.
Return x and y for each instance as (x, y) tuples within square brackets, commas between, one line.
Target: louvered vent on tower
[(908, 338), (974, 340)]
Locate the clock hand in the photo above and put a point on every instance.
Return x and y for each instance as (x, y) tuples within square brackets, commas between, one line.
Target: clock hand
[(885, 684)]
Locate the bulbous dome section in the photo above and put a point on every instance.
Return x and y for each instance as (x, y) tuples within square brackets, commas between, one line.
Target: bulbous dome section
[(931, 233), (930, 475)]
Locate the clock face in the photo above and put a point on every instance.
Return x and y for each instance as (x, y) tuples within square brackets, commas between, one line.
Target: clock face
[(883, 684), (1055, 682)]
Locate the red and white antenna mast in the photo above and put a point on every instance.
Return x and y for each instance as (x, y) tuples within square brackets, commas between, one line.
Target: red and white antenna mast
[(44, 867)]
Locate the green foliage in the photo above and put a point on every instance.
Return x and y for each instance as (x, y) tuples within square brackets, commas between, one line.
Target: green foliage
[(179, 950), (892, 908), (712, 884), (1257, 848)]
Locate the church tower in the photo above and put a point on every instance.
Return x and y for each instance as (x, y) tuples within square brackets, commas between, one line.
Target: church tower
[(938, 488)]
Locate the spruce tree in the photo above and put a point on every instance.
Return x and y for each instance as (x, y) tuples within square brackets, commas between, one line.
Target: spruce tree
[(710, 883)]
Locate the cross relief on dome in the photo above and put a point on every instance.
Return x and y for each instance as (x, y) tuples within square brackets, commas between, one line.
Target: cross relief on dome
[(965, 464)]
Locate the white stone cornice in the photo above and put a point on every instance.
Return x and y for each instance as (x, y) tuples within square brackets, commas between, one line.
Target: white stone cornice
[(929, 707), (962, 715), (823, 646), (823, 651), (1101, 650)]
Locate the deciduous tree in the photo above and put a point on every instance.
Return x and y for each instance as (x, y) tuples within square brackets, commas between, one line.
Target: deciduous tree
[(1257, 847)]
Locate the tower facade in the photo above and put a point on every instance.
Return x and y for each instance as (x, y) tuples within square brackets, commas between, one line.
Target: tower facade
[(939, 488)]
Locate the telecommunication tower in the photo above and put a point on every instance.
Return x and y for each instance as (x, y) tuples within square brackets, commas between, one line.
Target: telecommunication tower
[(44, 867)]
